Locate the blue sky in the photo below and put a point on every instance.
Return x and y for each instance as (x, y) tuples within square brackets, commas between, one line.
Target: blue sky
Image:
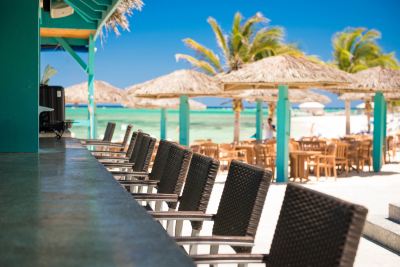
[(148, 50)]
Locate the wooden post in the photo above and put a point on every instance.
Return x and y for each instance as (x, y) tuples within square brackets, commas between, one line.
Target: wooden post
[(184, 120), (283, 134), (347, 105), (163, 124), (91, 101), (379, 106), (237, 108), (20, 59), (259, 120)]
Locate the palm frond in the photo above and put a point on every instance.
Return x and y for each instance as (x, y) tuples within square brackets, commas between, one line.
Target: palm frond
[(219, 36), (199, 64), (205, 53)]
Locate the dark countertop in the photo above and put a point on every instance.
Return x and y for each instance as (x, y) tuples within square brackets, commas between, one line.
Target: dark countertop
[(62, 208)]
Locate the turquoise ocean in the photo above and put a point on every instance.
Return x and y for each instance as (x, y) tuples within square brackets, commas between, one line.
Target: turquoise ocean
[(212, 123)]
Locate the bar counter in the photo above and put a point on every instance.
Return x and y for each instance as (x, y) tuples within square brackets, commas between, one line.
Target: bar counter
[(61, 207)]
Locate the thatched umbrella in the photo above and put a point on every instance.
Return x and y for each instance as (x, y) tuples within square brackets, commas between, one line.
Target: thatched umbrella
[(281, 72), (379, 80), (182, 84), (131, 101), (105, 93)]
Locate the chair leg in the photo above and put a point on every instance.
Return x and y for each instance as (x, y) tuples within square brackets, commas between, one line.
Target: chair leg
[(193, 248), (158, 206), (214, 250), (178, 228), (170, 227)]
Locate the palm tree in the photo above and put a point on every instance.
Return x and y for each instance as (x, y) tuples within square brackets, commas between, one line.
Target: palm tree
[(356, 49), (248, 41)]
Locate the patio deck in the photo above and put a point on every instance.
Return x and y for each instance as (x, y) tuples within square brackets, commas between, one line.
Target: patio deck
[(62, 208)]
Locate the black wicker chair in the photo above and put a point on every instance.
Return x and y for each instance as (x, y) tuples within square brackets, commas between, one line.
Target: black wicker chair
[(117, 156), (172, 177), (136, 150), (108, 134), (239, 211), (156, 171), (314, 229), (113, 147), (196, 192)]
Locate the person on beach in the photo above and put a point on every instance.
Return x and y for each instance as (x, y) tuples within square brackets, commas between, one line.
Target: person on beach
[(269, 129)]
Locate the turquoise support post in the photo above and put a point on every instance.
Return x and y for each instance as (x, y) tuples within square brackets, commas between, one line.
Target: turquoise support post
[(184, 120), (92, 130), (379, 106), (259, 120), (385, 130), (163, 124), (20, 59), (283, 134)]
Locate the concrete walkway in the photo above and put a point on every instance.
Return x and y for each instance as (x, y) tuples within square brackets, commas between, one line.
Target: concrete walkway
[(372, 190)]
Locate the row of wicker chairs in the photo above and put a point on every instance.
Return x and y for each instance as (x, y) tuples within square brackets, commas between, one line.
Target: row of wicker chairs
[(308, 232)]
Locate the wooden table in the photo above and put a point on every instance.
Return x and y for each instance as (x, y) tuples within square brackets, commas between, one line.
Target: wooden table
[(299, 158), (62, 208)]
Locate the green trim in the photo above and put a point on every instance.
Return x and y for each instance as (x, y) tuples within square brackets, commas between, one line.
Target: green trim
[(86, 13), (93, 6), (75, 21), (259, 120), (283, 134), (106, 16), (378, 142), (91, 101), (71, 51), (163, 124), (70, 41), (102, 2), (184, 120)]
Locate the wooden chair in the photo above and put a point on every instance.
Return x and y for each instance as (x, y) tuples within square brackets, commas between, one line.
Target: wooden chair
[(327, 162), (342, 160), (209, 149), (309, 232), (265, 155), (228, 152), (239, 211), (390, 149), (365, 155)]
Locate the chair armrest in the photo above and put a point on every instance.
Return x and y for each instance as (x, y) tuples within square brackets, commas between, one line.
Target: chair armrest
[(139, 182), (123, 153), (241, 241), (119, 145), (155, 197), (110, 158), (118, 164), (182, 215), (230, 258), (130, 174)]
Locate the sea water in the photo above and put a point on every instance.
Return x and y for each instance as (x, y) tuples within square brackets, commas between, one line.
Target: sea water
[(212, 123)]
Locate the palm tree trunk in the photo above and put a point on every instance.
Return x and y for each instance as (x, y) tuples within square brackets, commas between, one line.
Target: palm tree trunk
[(237, 108), (236, 131), (347, 108), (368, 108), (271, 110)]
